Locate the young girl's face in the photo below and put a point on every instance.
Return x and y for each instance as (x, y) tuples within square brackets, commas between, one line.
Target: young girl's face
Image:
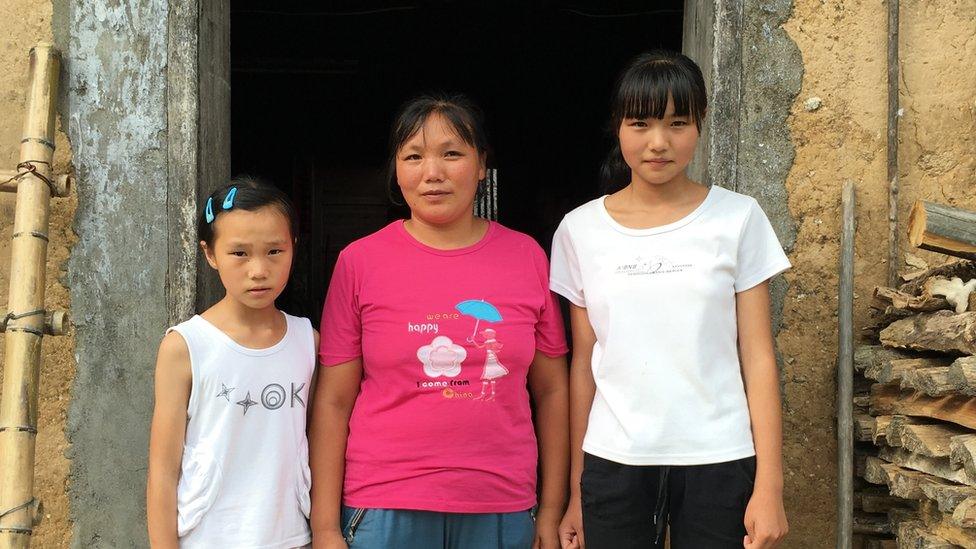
[(252, 252), (438, 173), (658, 150)]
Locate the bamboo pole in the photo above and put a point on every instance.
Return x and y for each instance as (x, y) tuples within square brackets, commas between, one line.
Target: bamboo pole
[(60, 185), (25, 326)]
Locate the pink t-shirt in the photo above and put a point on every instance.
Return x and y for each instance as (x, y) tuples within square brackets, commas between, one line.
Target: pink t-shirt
[(442, 421)]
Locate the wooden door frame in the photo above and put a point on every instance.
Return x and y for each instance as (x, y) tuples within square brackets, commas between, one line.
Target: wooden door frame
[(198, 112), (712, 36), (198, 76)]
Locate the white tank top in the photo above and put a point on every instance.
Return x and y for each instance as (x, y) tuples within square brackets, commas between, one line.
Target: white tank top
[(245, 478)]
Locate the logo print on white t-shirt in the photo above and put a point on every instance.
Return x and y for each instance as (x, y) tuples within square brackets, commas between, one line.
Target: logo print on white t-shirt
[(650, 266), (442, 357)]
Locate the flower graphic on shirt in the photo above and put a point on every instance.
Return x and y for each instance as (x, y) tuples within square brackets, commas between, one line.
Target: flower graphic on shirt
[(442, 357)]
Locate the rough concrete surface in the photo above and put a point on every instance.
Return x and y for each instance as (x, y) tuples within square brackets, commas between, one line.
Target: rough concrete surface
[(115, 107), (29, 22)]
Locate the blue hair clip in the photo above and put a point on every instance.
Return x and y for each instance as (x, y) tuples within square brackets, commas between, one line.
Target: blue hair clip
[(208, 213), (229, 199)]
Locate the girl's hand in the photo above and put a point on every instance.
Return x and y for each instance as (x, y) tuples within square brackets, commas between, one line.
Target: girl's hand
[(571, 527), (329, 540), (765, 520), (546, 529)]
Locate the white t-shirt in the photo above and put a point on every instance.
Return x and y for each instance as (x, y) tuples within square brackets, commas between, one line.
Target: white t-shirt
[(245, 478), (661, 301)]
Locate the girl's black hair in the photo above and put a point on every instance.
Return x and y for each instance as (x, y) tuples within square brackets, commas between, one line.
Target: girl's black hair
[(252, 194), (460, 112), (642, 91)]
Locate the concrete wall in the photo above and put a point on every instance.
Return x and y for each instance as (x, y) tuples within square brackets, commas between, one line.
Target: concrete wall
[(29, 22), (115, 105)]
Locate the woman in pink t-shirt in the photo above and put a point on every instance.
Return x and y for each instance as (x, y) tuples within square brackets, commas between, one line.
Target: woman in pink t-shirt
[(422, 434)]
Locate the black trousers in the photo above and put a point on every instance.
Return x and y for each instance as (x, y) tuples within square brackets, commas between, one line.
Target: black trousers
[(629, 506)]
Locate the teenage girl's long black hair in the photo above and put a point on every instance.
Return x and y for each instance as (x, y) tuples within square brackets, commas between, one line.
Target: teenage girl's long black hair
[(642, 91)]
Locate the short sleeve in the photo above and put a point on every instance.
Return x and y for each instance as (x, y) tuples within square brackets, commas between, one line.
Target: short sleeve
[(550, 333), (565, 278), (760, 255), (341, 328)]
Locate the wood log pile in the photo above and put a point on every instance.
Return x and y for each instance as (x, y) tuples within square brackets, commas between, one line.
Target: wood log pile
[(915, 412)]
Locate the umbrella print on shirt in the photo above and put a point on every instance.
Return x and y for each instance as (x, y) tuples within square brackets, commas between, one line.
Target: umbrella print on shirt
[(442, 357), (480, 310)]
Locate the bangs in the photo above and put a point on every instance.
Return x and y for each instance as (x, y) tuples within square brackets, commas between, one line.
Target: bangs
[(643, 92), (458, 120)]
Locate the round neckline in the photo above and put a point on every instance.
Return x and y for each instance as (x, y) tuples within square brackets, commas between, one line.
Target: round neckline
[(229, 341), (402, 230), (711, 197)]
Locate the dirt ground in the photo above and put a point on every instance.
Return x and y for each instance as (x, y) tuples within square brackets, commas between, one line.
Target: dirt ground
[(843, 44), (33, 24)]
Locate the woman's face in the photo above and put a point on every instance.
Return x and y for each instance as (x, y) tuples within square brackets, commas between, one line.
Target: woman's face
[(438, 173), (658, 150)]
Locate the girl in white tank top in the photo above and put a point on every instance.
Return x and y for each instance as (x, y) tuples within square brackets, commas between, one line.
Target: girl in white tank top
[(228, 457)]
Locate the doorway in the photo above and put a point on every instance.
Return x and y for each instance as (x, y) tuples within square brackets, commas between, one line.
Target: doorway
[(314, 90)]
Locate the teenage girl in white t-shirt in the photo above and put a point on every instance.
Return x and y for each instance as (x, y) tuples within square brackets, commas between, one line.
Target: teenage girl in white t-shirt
[(675, 406)]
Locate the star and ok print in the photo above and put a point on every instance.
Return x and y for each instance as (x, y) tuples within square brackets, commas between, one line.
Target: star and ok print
[(272, 397)]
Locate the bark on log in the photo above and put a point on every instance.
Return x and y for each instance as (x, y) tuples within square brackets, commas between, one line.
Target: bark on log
[(962, 453), (892, 371), (943, 229), (912, 535), (964, 515), (864, 427), (943, 525), (881, 425), (965, 270), (962, 375), (924, 439), (947, 496), (937, 467), (941, 331), (866, 356), (933, 382)]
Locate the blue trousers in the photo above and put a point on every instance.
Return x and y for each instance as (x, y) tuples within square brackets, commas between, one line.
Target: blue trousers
[(401, 529)]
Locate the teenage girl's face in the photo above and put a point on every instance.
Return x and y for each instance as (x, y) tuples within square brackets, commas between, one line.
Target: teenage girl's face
[(438, 173), (658, 150), (252, 252)]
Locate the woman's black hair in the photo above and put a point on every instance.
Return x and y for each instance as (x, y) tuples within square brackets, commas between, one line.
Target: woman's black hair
[(642, 91), (460, 112), (252, 194)]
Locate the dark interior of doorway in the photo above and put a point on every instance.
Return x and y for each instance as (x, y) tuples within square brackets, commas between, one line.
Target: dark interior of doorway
[(315, 86)]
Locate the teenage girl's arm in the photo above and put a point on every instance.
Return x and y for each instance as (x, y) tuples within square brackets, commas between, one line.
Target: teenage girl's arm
[(550, 389), (167, 434), (765, 518), (335, 394), (581, 391)]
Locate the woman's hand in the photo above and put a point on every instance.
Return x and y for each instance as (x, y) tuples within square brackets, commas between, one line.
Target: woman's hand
[(571, 527), (331, 539), (765, 520), (546, 529)]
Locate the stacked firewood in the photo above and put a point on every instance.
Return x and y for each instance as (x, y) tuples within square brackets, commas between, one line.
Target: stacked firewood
[(915, 408)]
